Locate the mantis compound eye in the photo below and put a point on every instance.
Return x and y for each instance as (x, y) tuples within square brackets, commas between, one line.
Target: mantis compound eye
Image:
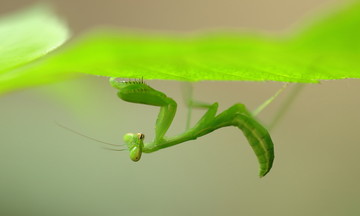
[(141, 136), (129, 138)]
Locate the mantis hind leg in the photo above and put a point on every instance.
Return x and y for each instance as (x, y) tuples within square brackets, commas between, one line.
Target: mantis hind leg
[(268, 101)]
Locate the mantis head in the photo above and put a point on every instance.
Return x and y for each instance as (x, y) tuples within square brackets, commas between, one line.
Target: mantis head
[(135, 144)]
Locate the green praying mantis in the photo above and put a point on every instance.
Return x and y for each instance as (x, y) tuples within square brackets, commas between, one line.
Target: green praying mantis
[(237, 115)]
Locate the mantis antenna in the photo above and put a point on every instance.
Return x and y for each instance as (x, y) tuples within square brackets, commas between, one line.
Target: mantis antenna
[(83, 135), (237, 115)]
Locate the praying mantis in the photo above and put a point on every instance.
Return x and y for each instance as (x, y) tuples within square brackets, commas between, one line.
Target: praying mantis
[(237, 115)]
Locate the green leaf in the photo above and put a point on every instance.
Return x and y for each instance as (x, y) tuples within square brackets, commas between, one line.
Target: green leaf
[(328, 49), (26, 36)]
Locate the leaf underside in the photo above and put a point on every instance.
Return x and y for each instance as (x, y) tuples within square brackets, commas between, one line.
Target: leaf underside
[(326, 50)]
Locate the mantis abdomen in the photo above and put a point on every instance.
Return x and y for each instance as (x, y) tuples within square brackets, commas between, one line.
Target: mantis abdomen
[(260, 141), (257, 135)]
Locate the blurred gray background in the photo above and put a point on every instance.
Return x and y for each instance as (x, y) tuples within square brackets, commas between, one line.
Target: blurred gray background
[(46, 170)]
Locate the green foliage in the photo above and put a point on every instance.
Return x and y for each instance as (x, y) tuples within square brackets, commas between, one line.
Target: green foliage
[(328, 49), (26, 36)]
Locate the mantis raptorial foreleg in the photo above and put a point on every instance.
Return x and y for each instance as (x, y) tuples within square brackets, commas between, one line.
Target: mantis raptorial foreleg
[(138, 92), (237, 115)]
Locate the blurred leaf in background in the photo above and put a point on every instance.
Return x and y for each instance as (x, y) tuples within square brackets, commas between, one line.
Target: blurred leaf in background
[(26, 36), (329, 49)]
